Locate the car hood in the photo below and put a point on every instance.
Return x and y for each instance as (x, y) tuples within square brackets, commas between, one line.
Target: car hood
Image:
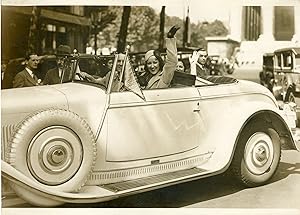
[(29, 99)]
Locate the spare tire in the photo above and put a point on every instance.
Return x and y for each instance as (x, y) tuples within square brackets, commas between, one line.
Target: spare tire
[(54, 147)]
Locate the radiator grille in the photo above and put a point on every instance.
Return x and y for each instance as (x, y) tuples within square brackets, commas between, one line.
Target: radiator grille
[(7, 131)]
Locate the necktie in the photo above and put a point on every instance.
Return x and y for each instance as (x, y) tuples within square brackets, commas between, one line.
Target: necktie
[(34, 77)]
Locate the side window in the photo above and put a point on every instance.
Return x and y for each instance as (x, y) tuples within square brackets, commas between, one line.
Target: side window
[(287, 59), (297, 61), (278, 62)]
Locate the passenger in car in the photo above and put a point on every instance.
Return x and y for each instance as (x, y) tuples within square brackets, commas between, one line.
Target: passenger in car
[(162, 74), (180, 66), (198, 62)]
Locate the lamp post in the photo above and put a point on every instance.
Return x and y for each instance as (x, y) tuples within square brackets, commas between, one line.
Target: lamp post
[(95, 27)]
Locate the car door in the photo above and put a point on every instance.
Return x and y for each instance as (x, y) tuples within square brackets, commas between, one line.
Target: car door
[(167, 122)]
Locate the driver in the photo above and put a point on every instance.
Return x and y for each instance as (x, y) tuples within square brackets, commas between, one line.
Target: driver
[(117, 84)]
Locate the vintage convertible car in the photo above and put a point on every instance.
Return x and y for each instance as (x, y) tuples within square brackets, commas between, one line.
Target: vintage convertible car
[(86, 140)]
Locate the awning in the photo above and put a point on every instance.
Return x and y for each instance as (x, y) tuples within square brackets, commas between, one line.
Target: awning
[(63, 17), (53, 15)]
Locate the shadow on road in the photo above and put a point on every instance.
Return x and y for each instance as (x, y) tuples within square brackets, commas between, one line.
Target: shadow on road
[(188, 193), (284, 170)]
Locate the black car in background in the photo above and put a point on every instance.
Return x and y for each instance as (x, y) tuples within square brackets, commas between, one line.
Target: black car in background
[(266, 76)]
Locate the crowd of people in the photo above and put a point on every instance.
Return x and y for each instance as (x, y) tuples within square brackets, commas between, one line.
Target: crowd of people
[(152, 70)]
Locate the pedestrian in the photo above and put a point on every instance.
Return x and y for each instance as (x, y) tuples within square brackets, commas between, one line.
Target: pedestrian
[(27, 78), (198, 62), (3, 68), (162, 74), (54, 75)]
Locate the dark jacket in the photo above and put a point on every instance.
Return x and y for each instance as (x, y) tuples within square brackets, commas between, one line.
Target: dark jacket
[(52, 77), (202, 72), (24, 79)]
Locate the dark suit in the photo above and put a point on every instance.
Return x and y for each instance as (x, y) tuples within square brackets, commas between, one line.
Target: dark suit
[(202, 71), (52, 77), (24, 79)]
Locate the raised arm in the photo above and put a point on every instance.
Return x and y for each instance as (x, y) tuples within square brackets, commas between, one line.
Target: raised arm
[(171, 59)]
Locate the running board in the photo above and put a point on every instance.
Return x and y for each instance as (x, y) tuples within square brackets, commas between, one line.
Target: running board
[(151, 180)]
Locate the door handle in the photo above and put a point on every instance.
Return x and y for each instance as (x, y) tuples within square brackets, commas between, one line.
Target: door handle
[(197, 109)]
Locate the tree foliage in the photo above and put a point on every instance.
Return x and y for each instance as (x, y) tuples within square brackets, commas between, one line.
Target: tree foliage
[(205, 29), (143, 29)]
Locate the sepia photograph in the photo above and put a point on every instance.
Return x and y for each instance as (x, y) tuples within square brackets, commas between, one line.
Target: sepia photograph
[(147, 107)]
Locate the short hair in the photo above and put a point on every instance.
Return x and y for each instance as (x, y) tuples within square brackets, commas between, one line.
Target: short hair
[(201, 49), (183, 63), (156, 54), (27, 57)]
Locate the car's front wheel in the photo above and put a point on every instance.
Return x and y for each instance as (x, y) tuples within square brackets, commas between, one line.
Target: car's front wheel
[(55, 148), (257, 155)]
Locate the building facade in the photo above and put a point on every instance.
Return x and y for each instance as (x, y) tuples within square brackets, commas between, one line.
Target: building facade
[(263, 26), (56, 25)]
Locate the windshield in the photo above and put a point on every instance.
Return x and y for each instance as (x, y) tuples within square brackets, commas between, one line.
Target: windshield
[(113, 73), (88, 69)]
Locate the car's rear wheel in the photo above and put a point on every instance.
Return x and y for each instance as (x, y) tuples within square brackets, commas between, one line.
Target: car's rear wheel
[(257, 155), (55, 148)]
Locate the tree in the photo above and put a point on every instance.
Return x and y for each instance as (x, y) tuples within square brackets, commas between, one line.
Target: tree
[(34, 45), (206, 29), (143, 32), (123, 29), (100, 17), (143, 29), (161, 27)]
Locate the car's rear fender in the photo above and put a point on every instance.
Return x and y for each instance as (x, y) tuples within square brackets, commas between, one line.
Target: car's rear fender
[(229, 132)]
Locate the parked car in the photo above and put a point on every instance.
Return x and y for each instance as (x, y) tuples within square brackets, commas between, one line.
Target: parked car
[(82, 142), (266, 76), (287, 73)]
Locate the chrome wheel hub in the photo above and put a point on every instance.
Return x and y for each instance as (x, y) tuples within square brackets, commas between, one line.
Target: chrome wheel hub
[(259, 153), (57, 156), (54, 155)]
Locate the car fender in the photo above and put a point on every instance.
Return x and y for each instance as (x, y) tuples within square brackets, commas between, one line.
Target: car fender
[(17, 103), (52, 196), (88, 101), (224, 143)]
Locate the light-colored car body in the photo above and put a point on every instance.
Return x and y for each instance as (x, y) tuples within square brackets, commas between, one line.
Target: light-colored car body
[(173, 135)]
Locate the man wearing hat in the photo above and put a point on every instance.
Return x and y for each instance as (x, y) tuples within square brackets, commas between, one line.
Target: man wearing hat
[(54, 76)]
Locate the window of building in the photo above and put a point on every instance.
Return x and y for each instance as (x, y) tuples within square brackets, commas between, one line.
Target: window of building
[(251, 22), (54, 36), (284, 23)]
